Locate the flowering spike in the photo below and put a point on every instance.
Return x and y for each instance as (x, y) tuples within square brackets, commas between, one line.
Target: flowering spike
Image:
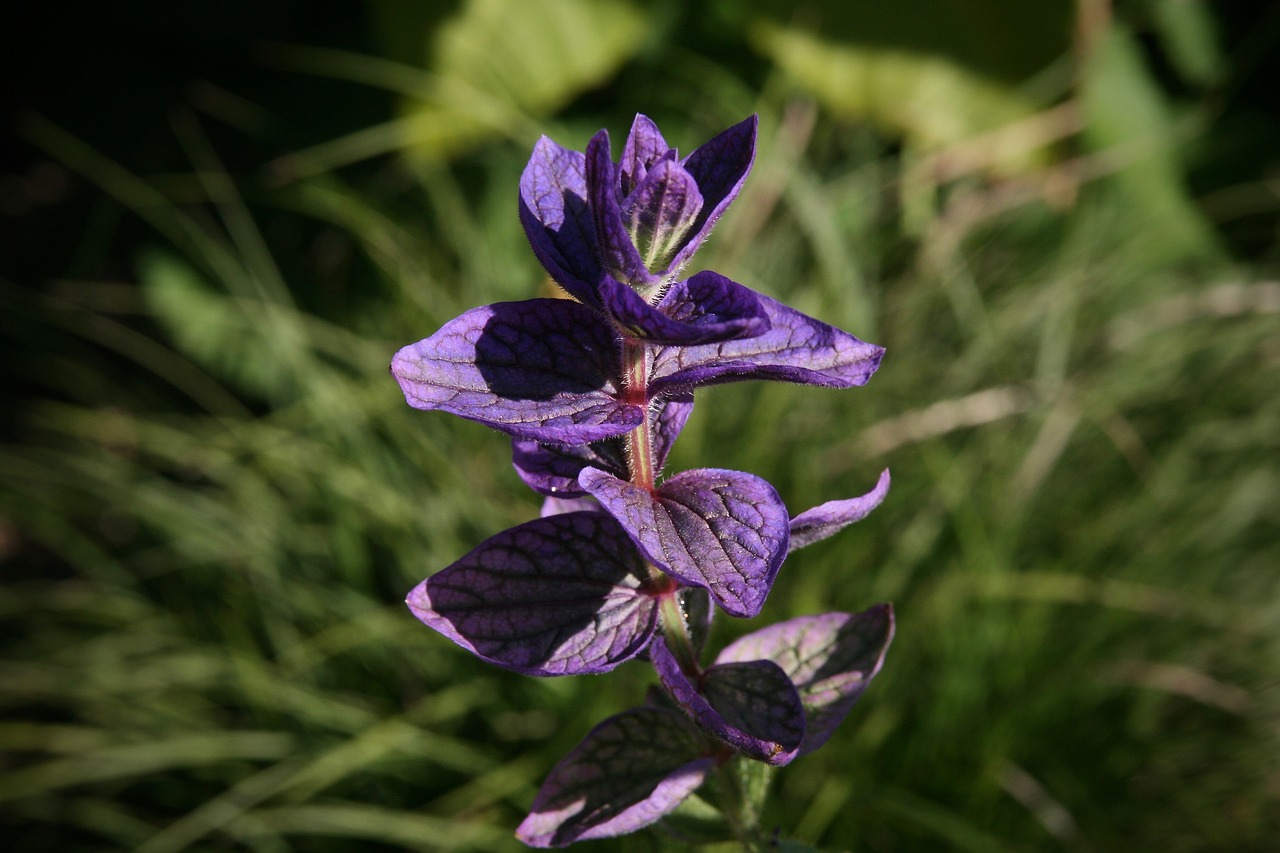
[(594, 391)]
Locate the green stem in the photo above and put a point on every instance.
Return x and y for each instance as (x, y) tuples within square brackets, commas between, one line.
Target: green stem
[(676, 633), (743, 818)]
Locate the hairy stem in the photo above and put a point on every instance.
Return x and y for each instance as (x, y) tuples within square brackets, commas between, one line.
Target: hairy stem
[(739, 813), (635, 360), (675, 630)]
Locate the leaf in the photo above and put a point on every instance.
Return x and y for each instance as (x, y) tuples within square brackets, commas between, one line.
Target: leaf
[(830, 658), (814, 525), (697, 821), (930, 100), (219, 333), (1188, 32), (726, 531), (560, 595), (660, 212), (540, 369), (672, 414), (695, 604), (751, 706), (1126, 116), (626, 773), (501, 62)]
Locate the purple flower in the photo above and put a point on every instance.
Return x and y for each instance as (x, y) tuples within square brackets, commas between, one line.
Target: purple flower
[(625, 562)]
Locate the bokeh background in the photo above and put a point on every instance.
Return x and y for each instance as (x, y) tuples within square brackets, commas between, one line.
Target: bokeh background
[(220, 221)]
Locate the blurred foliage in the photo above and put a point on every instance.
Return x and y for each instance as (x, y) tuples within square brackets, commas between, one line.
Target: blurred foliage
[(1061, 220), (489, 70), (897, 90)]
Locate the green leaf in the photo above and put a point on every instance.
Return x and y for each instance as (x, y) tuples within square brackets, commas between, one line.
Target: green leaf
[(1126, 118), (1188, 34), (928, 100), (698, 821), (210, 327), (504, 58)]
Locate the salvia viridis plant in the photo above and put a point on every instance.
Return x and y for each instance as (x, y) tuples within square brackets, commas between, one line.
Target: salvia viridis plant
[(625, 562)]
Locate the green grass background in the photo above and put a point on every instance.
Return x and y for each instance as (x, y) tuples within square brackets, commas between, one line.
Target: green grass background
[(1061, 223)]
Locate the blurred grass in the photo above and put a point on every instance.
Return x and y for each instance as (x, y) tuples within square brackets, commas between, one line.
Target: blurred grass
[(217, 499)]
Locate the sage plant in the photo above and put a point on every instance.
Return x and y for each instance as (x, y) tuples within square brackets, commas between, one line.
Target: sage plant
[(625, 562)]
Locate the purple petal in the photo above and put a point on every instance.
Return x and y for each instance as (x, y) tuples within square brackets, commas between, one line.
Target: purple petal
[(705, 309), (554, 596), (751, 706), (644, 146), (558, 220), (616, 249), (814, 525), (660, 212), (628, 772), (830, 658), (720, 167), (797, 348), (726, 531), (541, 369)]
